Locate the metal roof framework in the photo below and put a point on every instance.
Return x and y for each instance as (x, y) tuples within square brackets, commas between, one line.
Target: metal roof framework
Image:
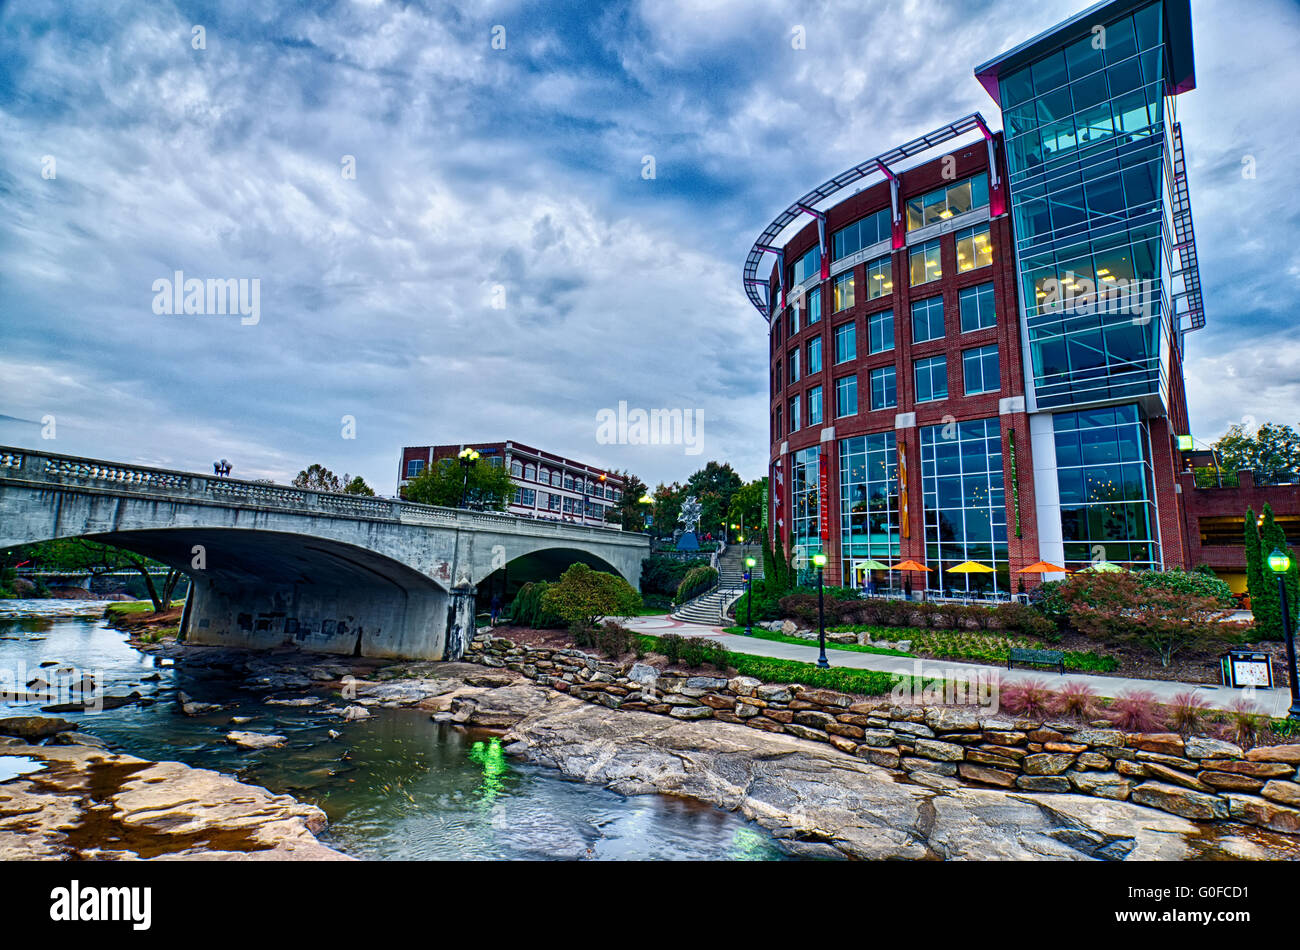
[(1185, 235), (807, 204)]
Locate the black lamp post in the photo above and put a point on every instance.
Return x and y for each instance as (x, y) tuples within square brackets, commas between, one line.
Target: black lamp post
[(1279, 562), (467, 459), (820, 561), (749, 596)]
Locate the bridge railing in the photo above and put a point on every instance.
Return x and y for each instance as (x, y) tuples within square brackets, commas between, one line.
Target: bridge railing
[(49, 468)]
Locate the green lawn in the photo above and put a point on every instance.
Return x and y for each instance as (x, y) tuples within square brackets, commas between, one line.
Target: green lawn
[(761, 634)]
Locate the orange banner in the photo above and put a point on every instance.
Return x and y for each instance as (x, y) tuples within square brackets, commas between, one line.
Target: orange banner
[(904, 522)]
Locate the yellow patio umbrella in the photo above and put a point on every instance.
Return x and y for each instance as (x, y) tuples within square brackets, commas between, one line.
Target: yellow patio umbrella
[(970, 567)]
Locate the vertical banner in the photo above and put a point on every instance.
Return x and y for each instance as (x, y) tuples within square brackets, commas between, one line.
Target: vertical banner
[(778, 494), (1015, 481), (767, 502), (904, 520), (823, 499)]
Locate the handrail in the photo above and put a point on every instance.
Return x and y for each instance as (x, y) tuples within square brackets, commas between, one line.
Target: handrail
[(54, 469)]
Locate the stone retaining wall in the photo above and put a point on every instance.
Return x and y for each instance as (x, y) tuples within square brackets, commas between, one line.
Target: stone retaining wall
[(1197, 778)]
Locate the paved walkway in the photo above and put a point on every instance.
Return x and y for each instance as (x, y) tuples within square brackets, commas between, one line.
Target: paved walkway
[(1274, 702)]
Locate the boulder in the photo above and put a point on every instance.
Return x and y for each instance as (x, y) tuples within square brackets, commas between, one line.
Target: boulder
[(1184, 802), (1287, 793), (254, 740), (986, 776), (940, 751), (355, 713), (1100, 784), (33, 727), (1047, 763), (643, 674), (1289, 754), (1201, 747)]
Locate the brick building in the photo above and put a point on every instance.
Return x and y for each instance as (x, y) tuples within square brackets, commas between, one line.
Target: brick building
[(546, 485), (976, 355)]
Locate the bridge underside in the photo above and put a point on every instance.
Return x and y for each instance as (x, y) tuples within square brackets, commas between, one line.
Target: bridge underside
[(260, 589)]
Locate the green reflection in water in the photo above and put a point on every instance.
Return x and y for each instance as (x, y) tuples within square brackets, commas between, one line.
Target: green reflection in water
[(492, 759), (748, 845)]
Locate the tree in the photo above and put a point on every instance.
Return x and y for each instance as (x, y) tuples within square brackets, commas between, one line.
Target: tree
[(667, 506), (317, 477), (582, 596), (713, 486), (1260, 579), (1121, 607), (446, 482), (356, 485), (628, 512), (746, 507), (1272, 451), (80, 555)]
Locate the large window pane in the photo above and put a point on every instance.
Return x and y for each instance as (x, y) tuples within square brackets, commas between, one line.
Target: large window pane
[(924, 263), (843, 291), (880, 328), (927, 319), (846, 342), (884, 388), (931, 378), (977, 311)]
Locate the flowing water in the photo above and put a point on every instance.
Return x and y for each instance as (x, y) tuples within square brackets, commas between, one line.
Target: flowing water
[(395, 786)]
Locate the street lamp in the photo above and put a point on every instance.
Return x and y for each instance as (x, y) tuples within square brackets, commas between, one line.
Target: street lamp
[(467, 459), (820, 561), (1280, 563), (749, 596)]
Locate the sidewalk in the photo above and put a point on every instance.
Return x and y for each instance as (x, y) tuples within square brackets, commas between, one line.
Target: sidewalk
[(1273, 702)]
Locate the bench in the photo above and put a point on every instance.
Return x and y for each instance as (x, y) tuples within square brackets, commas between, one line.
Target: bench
[(1054, 658)]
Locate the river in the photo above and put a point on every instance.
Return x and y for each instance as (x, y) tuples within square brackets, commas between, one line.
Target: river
[(396, 786)]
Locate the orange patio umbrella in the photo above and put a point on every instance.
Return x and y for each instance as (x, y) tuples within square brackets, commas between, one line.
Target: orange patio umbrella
[(910, 565), (1043, 567)]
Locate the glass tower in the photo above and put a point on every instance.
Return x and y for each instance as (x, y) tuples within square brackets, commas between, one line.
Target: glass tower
[(1105, 262)]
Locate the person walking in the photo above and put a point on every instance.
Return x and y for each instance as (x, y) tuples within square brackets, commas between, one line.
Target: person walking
[(496, 608)]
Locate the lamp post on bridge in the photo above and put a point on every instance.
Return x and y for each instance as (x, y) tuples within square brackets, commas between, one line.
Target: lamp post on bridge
[(468, 457)]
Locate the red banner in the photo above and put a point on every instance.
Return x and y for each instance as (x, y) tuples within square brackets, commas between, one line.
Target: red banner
[(823, 496), (904, 521), (778, 500)]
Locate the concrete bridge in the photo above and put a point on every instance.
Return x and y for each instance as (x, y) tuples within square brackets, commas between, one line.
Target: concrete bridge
[(271, 565)]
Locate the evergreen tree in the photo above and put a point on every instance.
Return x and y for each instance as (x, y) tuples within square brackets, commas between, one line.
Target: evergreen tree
[(1271, 537), (1259, 592)]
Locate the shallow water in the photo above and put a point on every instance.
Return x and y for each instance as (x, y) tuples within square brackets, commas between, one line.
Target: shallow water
[(396, 786)]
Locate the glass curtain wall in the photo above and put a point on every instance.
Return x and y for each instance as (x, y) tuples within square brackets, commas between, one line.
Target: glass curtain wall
[(868, 504)]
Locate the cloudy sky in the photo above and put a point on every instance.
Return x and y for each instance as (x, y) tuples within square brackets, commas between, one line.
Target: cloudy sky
[(499, 267)]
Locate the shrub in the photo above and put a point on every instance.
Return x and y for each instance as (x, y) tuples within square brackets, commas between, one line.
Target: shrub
[(1030, 698), (1186, 711), (583, 596), (1047, 600), (614, 639), (662, 575), (694, 652), (1077, 699), (715, 654), (526, 609), (1136, 712), (1120, 607), (670, 645), (1025, 620), (1244, 723), (696, 582)]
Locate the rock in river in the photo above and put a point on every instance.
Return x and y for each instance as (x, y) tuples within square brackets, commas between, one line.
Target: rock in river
[(33, 727), (255, 740)]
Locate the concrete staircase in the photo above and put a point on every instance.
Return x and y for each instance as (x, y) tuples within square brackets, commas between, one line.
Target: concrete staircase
[(708, 607)]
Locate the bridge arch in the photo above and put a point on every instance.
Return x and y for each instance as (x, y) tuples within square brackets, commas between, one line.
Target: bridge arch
[(543, 564)]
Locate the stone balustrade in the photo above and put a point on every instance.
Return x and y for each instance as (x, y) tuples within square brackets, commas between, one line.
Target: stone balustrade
[(1195, 777)]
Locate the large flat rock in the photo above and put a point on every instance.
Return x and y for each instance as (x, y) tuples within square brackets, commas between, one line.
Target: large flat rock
[(824, 802), (90, 804)]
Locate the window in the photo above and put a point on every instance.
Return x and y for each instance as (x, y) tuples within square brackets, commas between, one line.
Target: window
[(794, 414), (414, 467), (974, 248), (980, 369), (846, 396), (516, 468), (843, 291), (927, 319), (777, 378), (777, 421), (555, 479), (864, 232), (924, 263), (805, 498), (815, 355), (794, 318), (880, 278), (943, 203), (868, 503), (793, 359), (932, 378), (815, 406), (809, 265), (530, 473), (526, 497), (568, 483), (884, 388), (814, 306), (846, 342), (880, 331), (494, 461), (977, 308)]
